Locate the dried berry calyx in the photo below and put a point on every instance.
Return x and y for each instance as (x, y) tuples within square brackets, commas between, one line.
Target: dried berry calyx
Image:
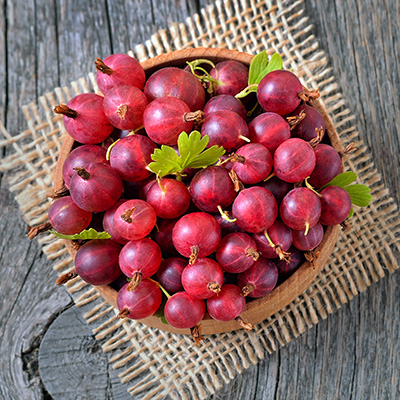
[(66, 277), (100, 66), (296, 119), (123, 313), (35, 230), (309, 95), (135, 281), (196, 335), (245, 325)]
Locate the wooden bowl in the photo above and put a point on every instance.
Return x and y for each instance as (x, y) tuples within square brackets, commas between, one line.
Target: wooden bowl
[(258, 309)]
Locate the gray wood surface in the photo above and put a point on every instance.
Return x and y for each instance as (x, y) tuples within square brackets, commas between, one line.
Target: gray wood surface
[(354, 354)]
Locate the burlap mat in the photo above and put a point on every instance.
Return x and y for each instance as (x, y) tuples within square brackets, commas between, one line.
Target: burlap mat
[(160, 364)]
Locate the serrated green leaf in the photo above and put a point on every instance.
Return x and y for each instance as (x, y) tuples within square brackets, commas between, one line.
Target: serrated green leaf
[(164, 320), (207, 157), (351, 213), (192, 153), (258, 63), (344, 179), (84, 235), (359, 194), (166, 161), (274, 64), (190, 146)]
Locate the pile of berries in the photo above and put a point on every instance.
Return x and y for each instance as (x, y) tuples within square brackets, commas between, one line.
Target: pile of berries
[(207, 198)]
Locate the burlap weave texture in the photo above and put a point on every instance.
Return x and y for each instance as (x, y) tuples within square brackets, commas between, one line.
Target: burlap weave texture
[(160, 364)]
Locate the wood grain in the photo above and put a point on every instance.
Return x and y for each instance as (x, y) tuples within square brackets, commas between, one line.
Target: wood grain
[(355, 352), (72, 363)]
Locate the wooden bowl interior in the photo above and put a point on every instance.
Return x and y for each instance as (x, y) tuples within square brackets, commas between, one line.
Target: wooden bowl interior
[(258, 309)]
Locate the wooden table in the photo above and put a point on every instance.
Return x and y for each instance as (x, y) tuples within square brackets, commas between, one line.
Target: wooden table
[(354, 354)]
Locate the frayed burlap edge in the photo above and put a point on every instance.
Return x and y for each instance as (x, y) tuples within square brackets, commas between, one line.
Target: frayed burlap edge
[(159, 364)]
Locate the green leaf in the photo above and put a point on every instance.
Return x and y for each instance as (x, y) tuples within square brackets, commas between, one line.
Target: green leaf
[(274, 64), (258, 63), (166, 161), (84, 235), (351, 213), (359, 194), (190, 146), (160, 312), (207, 157), (192, 153), (344, 179)]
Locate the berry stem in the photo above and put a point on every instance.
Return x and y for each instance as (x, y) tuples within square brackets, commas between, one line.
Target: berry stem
[(161, 287), (283, 255), (195, 63), (251, 112), (206, 77), (225, 215), (247, 90), (135, 282), (311, 188), (108, 153), (234, 158), (271, 243), (100, 66), (65, 110), (307, 229), (269, 177), (246, 139)]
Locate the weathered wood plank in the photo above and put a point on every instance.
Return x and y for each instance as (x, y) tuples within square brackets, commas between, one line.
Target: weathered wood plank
[(28, 303), (83, 35), (21, 60), (132, 23), (3, 63), (28, 300), (362, 39), (46, 47), (73, 365), (355, 352)]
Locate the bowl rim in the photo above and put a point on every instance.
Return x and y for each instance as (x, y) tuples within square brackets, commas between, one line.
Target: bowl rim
[(286, 292)]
